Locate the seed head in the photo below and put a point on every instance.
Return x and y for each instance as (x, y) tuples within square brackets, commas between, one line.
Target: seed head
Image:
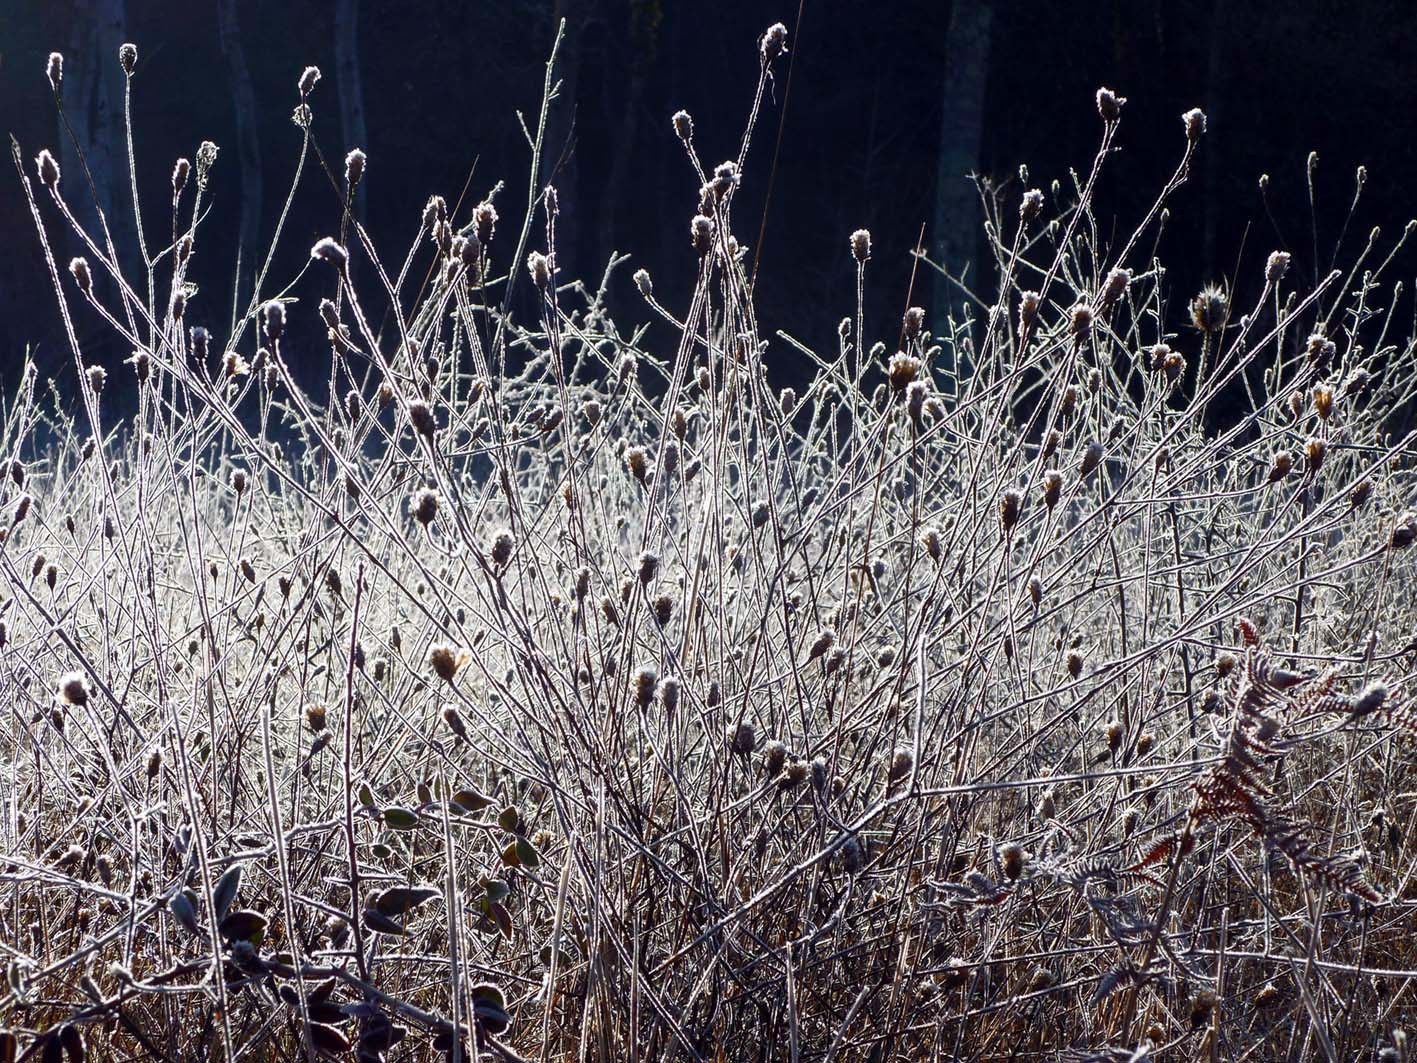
[(1028, 304), (1209, 309), (354, 164), (826, 638), (1323, 401), (128, 57), (774, 757), (1012, 857), (74, 689), (1030, 205), (539, 266), (48, 170), (54, 70), (97, 376), (1052, 487), (743, 738), (725, 179), (502, 544), (329, 250), (861, 245), (1404, 532), (646, 679), (1109, 105), (914, 321), (1115, 285), (638, 462), (1075, 664), (274, 316), (180, 170), (308, 77), (1113, 733), (1276, 267), (79, 267), (1080, 322), (774, 42), (1194, 120), (1280, 465), (903, 370), (901, 762), (1314, 452), (1361, 493), (484, 218), (701, 234), (644, 283), (1009, 505), (445, 662), (683, 126), (931, 541), (1091, 458), (424, 505), (421, 416)]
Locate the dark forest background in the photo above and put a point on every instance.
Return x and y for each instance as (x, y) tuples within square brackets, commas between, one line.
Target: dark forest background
[(890, 108)]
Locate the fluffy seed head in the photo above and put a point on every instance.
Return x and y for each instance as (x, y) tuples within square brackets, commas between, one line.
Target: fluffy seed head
[(1323, 401), (743, 738), (861, 245), (128, 57), (774, 757), (1028, 304), (180, 169), (1276, 267), (484, 218), (646, 679), (308, 77), (421, 416), (48, 170), (644, 282), (54, 70), (424, 505), (502, 543), (539, 266), (1194, 121), (354, 164), (913, 322), (274, 317), (701, 233), (1052, 487), (1009, 505), (74, 689), (683, 126), (79, 267), (903, 370), (1030, 205), (1109, 105), (774, 42), (329, 250), (445, 662), (1209, 309)]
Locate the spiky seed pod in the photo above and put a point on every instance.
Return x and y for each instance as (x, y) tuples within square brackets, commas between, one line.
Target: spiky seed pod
[(646, 679), (128, 57), (1314, 451), (1194, 120), (1052, 487), (1280, 465), (1225, 664), (1174, 366), (1275, 267), (743, 738), (903, 370), (683, 126), (861, 246), (354, 163), (180, 169), (774, 757), (1296, 405), (913, 322), (648, 567), (1028, 305), (638, 462), (1145, 743), (445, 661), (1361, 493), (1074, 664), (1209, 309), (824, 641), (48, 170), (1030, 205), (1009, 506), (701, 234), (97, 377), (774, 42), (725, 179), (315, 718), (669, 692), (1109, 105), (1323, 401), (74, 689), (424, 505)]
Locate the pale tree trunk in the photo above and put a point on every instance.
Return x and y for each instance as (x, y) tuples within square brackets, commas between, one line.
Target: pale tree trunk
[(955, 240), (248, 149), (351, 88)]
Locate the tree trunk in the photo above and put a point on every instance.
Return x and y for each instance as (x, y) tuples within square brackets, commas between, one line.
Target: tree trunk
[(248, 149), (351, 87), (957, 217)]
